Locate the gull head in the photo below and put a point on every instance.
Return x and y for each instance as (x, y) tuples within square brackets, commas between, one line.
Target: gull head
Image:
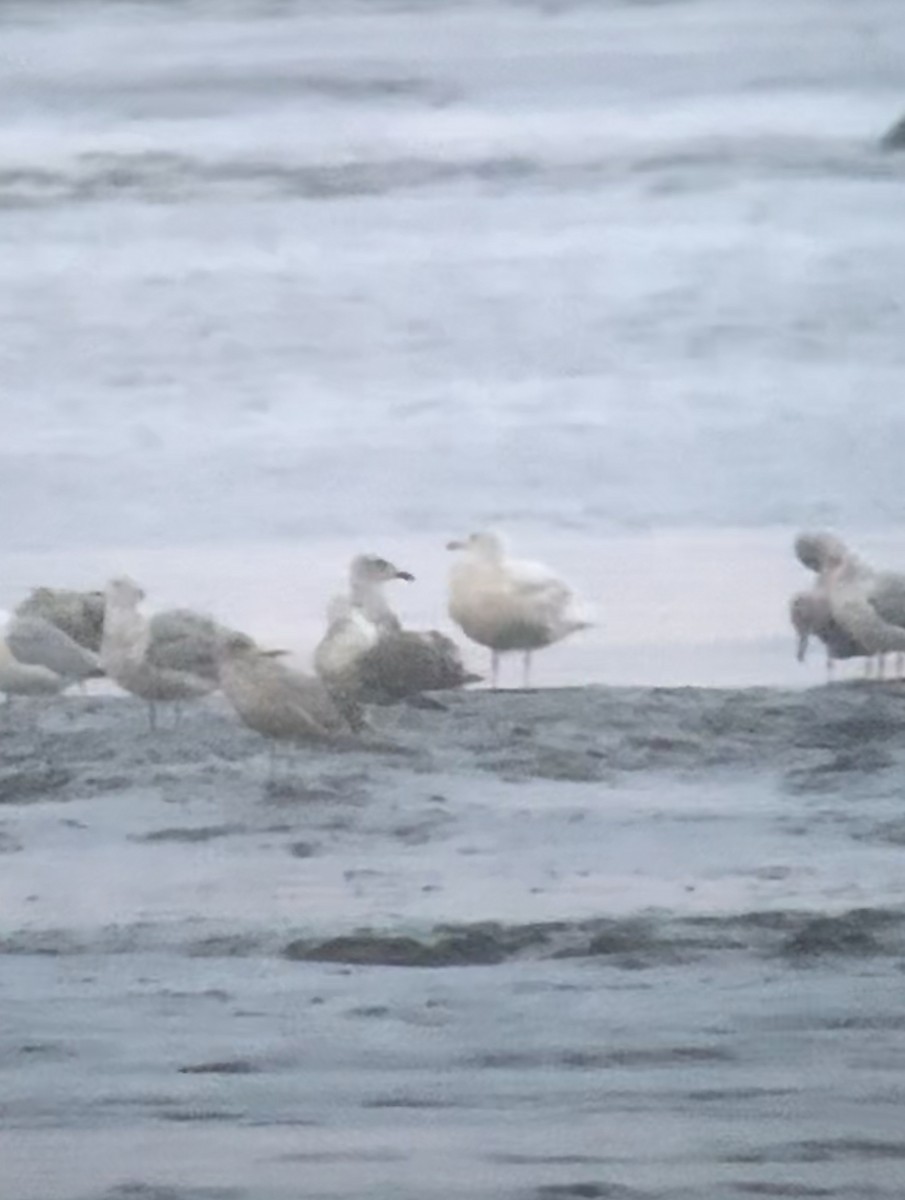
[(124, 590), (819, 551), (484, 545), (371, 568)]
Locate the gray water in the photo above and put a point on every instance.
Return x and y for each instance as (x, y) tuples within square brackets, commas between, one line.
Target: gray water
[(591, 942), (287, 281), (291, 270)]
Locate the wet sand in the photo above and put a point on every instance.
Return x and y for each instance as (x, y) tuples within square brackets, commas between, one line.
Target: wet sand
[(586, 942)]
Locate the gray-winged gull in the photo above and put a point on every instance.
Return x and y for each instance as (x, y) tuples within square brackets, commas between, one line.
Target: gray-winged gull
[(125, 653), (80, 615), (368, 573), (35, 641), (366, 657), (509, 605), (25, 679), (180, 639)]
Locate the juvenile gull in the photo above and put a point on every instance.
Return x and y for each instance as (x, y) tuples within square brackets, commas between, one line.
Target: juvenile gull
[(125, 653), (278, 701), (509, 605), (366, 657), (36, 641), (25, 679), (183, 640)]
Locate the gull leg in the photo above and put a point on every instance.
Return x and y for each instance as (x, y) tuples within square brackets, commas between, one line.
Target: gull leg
[(494, 668), (868, 667), (526, 669), (881, 666), (829, 669)]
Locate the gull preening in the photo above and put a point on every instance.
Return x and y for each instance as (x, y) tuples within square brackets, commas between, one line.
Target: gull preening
[(126, 653), (810, 612), (366, 657), (509, 605), (812, 616), (855, 610), (870, 606)]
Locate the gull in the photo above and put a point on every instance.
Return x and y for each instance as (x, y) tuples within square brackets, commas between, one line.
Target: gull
[(817, 551), (366, 657), (180, 638), (284, 704), (868, 605), (80, 615), (25, 679), (126, 659), (276, 700), (35, 641), (811, 615), (509, 605), (367, 575)]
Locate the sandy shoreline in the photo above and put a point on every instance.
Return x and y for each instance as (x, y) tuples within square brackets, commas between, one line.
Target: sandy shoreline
[(487, 968)]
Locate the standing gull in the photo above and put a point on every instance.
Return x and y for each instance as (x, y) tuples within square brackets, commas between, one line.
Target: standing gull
[(509, 605), (283, 704), (366, 657), (125, 653)]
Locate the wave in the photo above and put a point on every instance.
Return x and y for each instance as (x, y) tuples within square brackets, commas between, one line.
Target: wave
[(798, 938), (176, 178)]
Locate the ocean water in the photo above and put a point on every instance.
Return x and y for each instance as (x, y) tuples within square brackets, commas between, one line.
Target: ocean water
[(292, 270), (286, 280)]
